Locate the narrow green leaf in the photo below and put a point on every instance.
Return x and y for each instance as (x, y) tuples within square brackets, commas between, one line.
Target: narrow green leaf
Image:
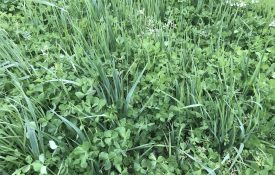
[(131, 92)]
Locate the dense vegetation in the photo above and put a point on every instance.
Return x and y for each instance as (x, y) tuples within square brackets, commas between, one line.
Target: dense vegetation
[(137, 87)]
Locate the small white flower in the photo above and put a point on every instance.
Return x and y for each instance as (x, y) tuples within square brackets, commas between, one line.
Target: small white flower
[(169, 24), (235, 3), (27, 35), (273, 75), (229, 2), (43, 170), (45, 49), (255, 1), (150, 21), (241, 4), (151, 30), (272, 24), (52, 144), (140, 12), (166, 43), (151, 27), (203, 33)]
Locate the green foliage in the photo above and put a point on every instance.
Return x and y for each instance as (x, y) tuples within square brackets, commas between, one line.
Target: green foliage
[(137, 87)]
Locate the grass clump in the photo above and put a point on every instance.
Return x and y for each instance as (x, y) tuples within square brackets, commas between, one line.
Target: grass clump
[(137, 87)]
